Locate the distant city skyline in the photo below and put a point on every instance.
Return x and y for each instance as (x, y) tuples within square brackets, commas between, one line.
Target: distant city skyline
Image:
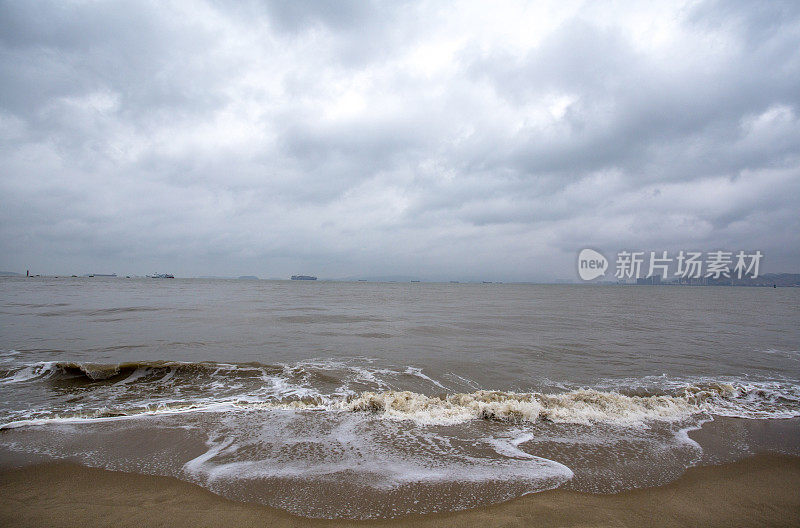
[(469, 142)]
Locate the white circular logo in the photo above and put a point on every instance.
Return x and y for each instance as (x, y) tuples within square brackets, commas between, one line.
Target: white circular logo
[(591, 264)]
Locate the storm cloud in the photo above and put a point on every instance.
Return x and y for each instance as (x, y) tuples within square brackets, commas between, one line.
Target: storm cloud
[(468, 141)]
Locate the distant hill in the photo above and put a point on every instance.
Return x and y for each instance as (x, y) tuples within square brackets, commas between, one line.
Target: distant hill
[(10, 274), (248, 277)]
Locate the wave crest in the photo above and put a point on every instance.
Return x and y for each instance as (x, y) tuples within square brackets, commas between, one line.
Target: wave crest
[(578, 406), (582, 406)]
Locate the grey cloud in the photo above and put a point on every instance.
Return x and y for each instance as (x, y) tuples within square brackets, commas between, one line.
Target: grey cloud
[(628, 109), (337, 15), (755, 24), (269, 137)]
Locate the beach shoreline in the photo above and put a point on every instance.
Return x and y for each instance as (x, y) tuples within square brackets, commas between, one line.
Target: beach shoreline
[(756, 491)]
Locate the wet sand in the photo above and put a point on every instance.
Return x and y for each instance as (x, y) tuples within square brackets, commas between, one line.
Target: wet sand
[(758, 491)]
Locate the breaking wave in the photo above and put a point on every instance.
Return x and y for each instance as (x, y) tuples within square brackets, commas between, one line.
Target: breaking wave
[(157, 387), (578, 406)]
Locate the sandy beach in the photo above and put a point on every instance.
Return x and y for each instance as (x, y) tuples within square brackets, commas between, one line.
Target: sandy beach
[(758, 491)]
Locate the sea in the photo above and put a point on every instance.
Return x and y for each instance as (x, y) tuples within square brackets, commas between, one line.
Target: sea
[(378, 400)]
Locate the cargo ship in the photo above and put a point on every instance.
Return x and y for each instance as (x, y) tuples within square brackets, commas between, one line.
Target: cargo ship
[(303, 277)]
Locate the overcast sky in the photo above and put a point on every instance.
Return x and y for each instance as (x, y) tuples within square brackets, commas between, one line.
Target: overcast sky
[(467, 140)]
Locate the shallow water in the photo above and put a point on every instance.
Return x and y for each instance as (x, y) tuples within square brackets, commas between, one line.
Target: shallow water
[(334, 399)]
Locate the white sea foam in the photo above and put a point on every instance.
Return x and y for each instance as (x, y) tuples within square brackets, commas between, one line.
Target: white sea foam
[(414, 371), (344, 447), (31, 372), (583, 406), (510, 447)]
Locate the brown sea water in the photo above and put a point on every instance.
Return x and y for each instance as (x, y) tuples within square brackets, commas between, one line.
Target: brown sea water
[(338, 399)]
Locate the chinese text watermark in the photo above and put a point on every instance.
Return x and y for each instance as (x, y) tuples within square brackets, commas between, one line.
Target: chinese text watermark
[(685, 265)]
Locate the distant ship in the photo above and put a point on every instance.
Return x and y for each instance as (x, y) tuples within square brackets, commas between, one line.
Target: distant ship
[(303, 277), (162, 276)]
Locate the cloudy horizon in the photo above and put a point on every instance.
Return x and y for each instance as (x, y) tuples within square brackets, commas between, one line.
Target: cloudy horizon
[(346, 138)]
